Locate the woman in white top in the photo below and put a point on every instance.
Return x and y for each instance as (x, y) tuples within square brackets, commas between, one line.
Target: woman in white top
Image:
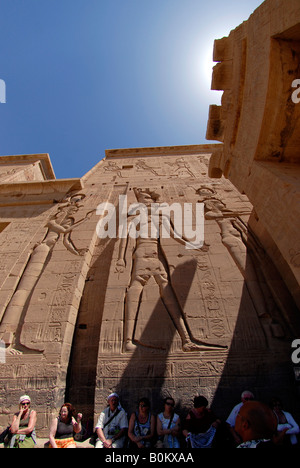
[(168, 425), (286, 421)]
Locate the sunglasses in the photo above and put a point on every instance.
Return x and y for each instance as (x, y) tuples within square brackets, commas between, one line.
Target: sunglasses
[(25, 403), (169, 403)]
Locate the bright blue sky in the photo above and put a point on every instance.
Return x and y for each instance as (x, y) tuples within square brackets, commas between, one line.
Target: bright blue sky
[(83, 76)]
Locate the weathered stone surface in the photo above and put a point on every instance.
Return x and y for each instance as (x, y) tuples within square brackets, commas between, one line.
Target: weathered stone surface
[(258, 123), (82, 315)]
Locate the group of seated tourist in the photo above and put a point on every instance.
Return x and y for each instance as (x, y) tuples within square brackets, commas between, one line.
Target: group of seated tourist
[(250, 424)]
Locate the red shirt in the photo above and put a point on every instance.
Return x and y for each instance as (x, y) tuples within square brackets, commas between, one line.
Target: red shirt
[(197, 425)]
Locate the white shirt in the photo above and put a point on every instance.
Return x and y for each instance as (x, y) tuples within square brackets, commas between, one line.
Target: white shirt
[(232, 417), (293, 427), (119, 422)]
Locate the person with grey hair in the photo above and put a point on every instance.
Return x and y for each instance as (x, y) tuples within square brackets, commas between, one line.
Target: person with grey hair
[(112, 424), (245, 396)]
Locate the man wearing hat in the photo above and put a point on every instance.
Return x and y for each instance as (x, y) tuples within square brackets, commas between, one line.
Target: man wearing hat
[(112, 424)]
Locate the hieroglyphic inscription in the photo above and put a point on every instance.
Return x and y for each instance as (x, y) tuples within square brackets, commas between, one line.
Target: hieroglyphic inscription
[(49, 327), (62, 223), (148, 263)]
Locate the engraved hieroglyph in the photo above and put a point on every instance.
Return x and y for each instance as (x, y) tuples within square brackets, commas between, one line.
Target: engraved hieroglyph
[(149, 262), (61, 223), (159, 295), (83, 315)]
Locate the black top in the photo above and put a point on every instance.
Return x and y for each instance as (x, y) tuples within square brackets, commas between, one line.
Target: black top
[(64, 431)]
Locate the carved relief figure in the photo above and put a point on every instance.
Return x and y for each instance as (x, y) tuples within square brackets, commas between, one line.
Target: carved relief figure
[(142, 165), (205, 191), (182, 168), (204, 159), (113, 167), (231, 238), (214, 207), (61, 224), (7, 173), (149, 261)]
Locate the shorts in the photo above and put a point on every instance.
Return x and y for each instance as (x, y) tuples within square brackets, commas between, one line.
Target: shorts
[(64, 443), (28, 442)]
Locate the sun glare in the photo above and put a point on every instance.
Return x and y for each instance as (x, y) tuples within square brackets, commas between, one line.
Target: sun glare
[(207, 64)]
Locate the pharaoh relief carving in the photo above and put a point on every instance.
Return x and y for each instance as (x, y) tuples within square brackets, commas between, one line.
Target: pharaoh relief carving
[(149, 261), (181, 168), (112, 166), (215, 204), (60, 225), (204, 159), (231, 238), (244, 251), (141, 165), (214, 207), (7, 173)]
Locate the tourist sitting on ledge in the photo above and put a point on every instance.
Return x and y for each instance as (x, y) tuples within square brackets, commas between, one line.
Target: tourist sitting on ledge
[(63, 427), (200, 425), (21, 433), (287, 425), (112, 424), (168, 426), (142, 426), (256, 424)]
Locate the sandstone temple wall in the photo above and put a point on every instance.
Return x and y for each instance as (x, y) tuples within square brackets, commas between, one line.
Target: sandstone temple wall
[(82, 315), (258, 123)]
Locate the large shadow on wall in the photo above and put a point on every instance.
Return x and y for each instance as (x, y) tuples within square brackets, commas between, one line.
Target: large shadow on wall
[(81, 376), (259, 357), (148, 372)]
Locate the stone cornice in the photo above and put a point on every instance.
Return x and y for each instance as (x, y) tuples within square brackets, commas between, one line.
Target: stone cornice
[(27, 193), (43, 158), (161, 150)]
